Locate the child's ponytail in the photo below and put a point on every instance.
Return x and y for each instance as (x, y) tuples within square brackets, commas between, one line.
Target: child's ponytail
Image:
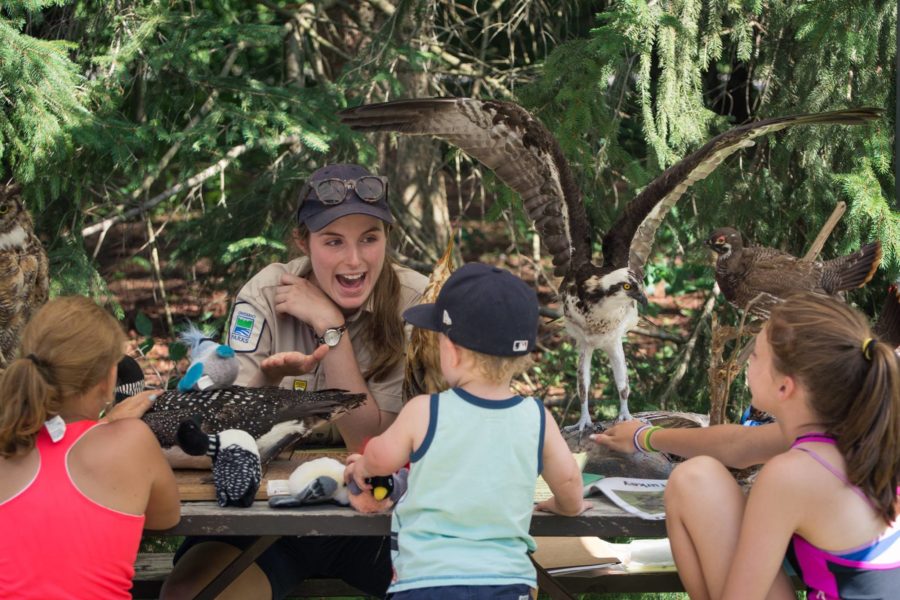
[(67, 348), (853, 382), (869, 436)]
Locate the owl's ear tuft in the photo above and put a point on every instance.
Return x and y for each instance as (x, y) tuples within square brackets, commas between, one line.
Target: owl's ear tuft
[(13, 189)]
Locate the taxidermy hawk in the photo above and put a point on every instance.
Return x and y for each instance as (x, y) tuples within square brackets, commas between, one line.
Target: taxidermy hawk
[(744, 272), (599, 296), (276, 418)]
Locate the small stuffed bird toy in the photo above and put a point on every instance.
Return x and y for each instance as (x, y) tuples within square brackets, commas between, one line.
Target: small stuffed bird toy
[(322, 480), (386, 491), (314, 482), (236, 466), (213, 365), (129, 378)]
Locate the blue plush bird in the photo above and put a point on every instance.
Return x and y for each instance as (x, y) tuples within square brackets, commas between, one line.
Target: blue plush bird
[(213, 365), (236, 469)]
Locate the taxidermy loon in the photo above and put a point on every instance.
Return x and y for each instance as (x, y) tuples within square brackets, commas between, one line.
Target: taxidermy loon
[(276, 418)]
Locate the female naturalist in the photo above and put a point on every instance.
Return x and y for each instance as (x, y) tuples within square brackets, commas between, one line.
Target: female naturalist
[(331, 319), (75, 492), (827, 494)]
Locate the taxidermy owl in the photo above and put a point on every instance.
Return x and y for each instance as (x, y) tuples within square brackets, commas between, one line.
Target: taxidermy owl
[(24, 282)]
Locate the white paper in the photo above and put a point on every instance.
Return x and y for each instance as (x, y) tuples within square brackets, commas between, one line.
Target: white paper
[(641, 497)]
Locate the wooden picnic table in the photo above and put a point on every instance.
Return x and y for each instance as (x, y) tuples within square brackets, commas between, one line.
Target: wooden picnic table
[(201, 515)]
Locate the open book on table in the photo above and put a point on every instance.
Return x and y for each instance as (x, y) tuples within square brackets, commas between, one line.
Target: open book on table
[(641, 497), (559, 555)]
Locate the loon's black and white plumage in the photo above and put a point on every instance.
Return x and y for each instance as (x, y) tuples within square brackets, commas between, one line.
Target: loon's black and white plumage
[(599, 298), (129, 378), (236, 469), (275, 417)]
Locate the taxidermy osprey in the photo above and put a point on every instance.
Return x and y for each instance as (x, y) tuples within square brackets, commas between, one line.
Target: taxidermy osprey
[(599, 297), (744, 272), (275, 417)]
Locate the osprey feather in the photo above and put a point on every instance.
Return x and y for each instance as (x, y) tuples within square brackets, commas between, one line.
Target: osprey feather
[(275, 417), (599, 297)]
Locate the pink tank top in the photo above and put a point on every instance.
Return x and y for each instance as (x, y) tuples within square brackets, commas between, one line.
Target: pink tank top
[(55, 542)]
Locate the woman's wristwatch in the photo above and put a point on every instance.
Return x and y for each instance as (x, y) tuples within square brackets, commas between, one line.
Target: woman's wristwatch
[(332, 336)]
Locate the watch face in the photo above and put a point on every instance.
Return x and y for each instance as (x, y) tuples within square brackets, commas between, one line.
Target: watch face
[(332, 337)]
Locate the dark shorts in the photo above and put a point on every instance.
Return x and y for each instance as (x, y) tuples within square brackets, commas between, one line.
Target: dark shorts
[(466, 592), (363, 562)]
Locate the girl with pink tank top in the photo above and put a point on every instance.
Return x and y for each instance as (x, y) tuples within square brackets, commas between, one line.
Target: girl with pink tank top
[(75, 493)]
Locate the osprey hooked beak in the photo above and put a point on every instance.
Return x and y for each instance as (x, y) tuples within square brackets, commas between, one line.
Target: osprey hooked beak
[(635, 292)]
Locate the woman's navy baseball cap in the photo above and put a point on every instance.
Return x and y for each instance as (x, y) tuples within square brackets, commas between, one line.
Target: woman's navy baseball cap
[(483, 308), (315, 214)]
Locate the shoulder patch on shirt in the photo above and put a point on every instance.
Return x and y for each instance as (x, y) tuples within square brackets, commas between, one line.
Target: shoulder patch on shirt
[(246, 328)]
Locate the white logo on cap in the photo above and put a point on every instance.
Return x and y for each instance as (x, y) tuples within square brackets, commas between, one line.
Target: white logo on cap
[(520, 345), (447, 320)]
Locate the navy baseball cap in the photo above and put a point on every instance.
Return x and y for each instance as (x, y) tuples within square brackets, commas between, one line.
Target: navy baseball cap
[(316, 214), (483, 308)]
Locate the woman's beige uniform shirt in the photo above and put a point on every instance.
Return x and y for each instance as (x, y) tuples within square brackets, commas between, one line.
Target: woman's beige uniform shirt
[(257, 331)]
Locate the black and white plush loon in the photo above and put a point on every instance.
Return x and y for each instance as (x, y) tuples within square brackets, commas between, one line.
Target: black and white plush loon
[(236, 466), (129, 378), (275, 417)]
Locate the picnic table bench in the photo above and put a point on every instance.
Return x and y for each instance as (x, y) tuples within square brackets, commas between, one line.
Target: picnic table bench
[(202, 516)]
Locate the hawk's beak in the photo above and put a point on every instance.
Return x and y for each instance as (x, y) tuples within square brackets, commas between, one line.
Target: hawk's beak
[(638, 295)]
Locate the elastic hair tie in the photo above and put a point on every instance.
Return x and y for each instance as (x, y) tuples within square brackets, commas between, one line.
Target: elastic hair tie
[(867, 347), (37, 361)]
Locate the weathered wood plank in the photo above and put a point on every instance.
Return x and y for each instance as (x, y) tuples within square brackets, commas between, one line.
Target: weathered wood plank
[(206, 518)]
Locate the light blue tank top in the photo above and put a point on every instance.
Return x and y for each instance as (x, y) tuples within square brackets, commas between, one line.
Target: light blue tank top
[(465, 517)]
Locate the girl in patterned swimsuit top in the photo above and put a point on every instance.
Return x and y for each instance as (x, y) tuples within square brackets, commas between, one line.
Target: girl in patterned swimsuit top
[(827, 495)]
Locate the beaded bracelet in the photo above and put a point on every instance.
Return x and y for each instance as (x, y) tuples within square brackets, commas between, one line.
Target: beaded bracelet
[(637, 435), (647, 438)]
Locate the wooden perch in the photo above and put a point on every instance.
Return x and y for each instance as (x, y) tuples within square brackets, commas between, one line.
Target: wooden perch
[(825, 232)]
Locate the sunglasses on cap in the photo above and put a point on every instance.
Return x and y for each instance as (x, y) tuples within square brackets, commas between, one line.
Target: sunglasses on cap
[(370, 188)]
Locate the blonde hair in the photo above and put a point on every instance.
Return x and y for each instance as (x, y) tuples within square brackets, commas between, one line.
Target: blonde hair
[(853, 383), (497, 369), (383, 331), (67, 348)]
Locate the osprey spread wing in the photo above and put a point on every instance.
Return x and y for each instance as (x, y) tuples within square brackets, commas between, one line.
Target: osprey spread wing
[(599, 296)]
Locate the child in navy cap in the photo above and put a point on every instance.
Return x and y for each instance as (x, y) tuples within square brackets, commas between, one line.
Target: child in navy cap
[(475, 450)]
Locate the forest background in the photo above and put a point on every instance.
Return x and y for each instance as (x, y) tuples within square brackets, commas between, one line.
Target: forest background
[(161, 144)]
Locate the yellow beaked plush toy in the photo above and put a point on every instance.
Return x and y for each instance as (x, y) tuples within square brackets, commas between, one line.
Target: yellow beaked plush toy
[(322, 480)]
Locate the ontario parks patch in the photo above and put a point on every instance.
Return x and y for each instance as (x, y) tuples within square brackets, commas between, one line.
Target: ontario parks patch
[(246, 328)]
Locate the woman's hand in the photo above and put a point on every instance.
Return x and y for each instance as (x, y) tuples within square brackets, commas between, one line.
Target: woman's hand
[(551, 506), (305, 301), (619, 437), (357, 472), (288, 364), (133, 406)]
